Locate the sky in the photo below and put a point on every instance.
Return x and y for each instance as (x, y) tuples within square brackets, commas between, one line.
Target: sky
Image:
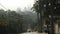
[(14, 4)]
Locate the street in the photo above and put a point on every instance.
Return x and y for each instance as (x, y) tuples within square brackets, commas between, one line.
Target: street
[(33, 33)]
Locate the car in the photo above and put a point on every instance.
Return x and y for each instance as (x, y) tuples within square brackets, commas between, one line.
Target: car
[(29, 30), (45, 28)]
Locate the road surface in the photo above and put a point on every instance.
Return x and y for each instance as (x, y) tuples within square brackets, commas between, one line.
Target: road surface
[(33, 33)]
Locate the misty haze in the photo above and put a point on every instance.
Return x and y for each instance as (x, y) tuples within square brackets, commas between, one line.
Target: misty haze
[(29, 16)]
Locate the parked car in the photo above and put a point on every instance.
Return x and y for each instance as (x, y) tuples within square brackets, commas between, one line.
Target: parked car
[(45, 28), (29, 30)]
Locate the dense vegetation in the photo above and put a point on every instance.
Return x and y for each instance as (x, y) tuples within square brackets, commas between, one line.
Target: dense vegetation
[(10, 22), (17, 21)]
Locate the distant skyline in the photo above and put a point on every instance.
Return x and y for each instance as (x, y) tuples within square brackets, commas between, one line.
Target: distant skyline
[(14, 4)]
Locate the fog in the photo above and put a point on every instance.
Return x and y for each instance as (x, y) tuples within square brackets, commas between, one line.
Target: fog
[(14, 4)]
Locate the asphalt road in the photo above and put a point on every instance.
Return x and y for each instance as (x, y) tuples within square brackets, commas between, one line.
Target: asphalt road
[(33, 33)]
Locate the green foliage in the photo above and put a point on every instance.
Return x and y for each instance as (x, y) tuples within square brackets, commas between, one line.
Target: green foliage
[(11, 20), (3, 20), (35, 7)]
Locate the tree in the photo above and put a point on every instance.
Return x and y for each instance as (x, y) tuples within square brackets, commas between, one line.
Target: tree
[(10, 22), (15, 22), (39, 7)]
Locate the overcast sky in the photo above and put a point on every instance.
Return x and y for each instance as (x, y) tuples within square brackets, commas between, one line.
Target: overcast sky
[(14, 4)]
